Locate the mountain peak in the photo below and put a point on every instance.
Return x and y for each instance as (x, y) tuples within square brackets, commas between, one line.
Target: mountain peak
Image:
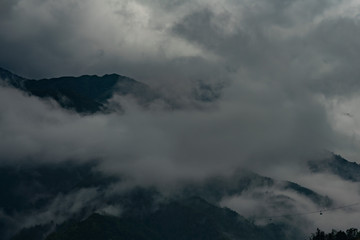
[(11, 79), (84, 94), (337, 165)]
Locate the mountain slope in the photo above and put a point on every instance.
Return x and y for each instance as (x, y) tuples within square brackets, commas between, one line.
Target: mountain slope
[(84, 94), (214, 189), (11, 79), (188, 219), (42, 189), (90, 94), (337, 165), (49, 194)]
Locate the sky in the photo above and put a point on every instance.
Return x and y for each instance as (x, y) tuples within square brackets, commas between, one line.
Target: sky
[(288, 71)]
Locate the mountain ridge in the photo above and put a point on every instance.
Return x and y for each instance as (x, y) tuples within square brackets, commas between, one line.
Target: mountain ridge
[(89, 94), (85, 94), (52, 188), (337, 165)]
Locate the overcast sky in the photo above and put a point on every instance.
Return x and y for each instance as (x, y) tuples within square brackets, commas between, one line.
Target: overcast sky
[(289, 66), (290, 71)]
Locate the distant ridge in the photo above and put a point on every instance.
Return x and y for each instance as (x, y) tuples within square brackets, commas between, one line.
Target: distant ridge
[(337, 165), (84, 94), (11, 79)]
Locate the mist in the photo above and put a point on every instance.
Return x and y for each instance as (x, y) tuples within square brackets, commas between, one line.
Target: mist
[(158, 145)]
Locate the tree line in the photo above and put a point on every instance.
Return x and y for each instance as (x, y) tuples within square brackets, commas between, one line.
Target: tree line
[(350, 234)]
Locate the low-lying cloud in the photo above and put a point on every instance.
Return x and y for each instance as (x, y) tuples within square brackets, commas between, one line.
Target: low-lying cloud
[(160, 144)]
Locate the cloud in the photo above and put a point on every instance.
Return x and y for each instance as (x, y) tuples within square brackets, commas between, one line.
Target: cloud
[(173, 43), (164, 144), (271, 204)]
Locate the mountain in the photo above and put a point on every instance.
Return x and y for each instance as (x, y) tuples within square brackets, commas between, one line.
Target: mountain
[(66, 199), (90, 94), (191, 218), (85, 94), (214, 189), (39, 190), (33, 187), (11, 79), (337, 165), (71, 200)]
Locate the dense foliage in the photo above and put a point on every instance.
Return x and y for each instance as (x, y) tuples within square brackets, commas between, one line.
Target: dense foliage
[(350, 234)]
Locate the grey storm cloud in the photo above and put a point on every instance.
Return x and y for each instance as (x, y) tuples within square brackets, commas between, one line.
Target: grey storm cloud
[(301, 45), (161, 38)]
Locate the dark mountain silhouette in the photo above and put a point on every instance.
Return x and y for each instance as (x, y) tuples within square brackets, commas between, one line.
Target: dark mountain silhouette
[(54, 190), (191, 218), (11, 79), (84, 94), (337, 165), (32, 188), (214, 189), (89, 94)]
